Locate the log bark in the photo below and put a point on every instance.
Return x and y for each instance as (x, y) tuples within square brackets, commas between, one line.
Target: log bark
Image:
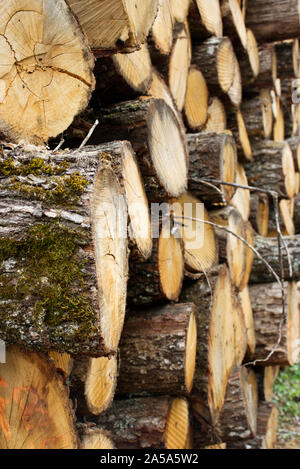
[(267, 310), (48, 63), (286, 215), (92, 383), (160, 277), (215, 342), (158, 351), (200, 245), (248, 58), (267, 422), (63, 228), (205, 19), (273, 168), (286, 59), (122, 77), (113, 25), (294, 143), (268, 23), (156, 136), (238, 417), (297, 214), (212, 156), (147, 422), (268, 248), (36, 412)]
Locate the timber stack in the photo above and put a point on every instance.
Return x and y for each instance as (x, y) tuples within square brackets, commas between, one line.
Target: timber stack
[(149, 160)]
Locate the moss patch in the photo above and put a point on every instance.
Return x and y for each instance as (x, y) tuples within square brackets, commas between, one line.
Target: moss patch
[(48, 278)]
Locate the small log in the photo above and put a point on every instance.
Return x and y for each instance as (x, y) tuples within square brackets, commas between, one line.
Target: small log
[(244, 297), (93, 438), (248, 59), (45, 65), (36, 412), (180, 9), (266, 302), (200, 245), (63, 228), (215, 343), (147, 422), (240, 331), (297, 213), (273, 168), (231, 249), (279, 127), (236, 125), (286, 59), (156, 137), (241, 198), (266, 377), (209, 23), (259, 212), (160, 277), (113, 25), (123, 77), (233, 21), (196, 100), (216, 59), (294, 143), (158, 351), (267, 423), (249, 232), (268, 23), (286, 218), (268, 248), (93, 383), (212, 156), (237, 419), (257, 115), (216, 116), (162, 29)]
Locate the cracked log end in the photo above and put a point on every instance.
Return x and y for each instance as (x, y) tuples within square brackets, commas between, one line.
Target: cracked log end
[(35, 411), (115, 24), (46, 70)]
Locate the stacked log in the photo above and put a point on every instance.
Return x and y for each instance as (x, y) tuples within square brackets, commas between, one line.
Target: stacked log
[(148, 280)]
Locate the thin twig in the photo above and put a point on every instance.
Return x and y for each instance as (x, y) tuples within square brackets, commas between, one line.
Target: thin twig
[(91, 131), (58, 147)]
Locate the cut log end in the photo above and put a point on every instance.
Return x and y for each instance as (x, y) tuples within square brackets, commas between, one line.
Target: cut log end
[(177, 429), (135, 68), (252, 50), (191, 349), (196, 100), (244, 296), (100, 383), (180, 9), (288, 171), (96, 439), (216, 117), (179, 67), (47, 63), (225, 65), (36, 411), (167, 148), (109, 221), (244, 137), (267, 113), (63, 362), (170, 264), (162, 29), (211, 17), (228, 167)]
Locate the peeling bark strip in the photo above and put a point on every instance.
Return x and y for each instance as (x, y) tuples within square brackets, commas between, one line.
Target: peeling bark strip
[(35, 410), (63, 239), (158, 351), (147, 422), (46, 65)]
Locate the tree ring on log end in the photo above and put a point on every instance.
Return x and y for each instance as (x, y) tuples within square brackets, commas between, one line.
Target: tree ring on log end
[(191, 348), (177, 428), (225, 65), (100, 383)]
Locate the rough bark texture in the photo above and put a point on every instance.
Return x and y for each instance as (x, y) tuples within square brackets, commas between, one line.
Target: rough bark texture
[(212, 156), (268, 169), (297, 214), (252, 112), (238, 417), (268, 248), (267, 312), (153, 351), (50, 296), (285, 63), (138, 422), (266, 19)]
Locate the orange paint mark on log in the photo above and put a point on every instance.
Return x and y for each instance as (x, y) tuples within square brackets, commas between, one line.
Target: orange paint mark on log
[(3, 405)]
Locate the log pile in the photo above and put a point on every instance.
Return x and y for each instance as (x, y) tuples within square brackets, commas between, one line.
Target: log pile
[(146, 297)]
